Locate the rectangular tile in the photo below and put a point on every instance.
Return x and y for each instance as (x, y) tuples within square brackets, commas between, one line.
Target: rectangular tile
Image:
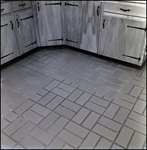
[(121, 115), (110, 95), (49, 120), (77, 130), (40, 110), (64, 112), (22, 132), (30, 143), (45, 82), (124, 136), (75, 95), (127, 88), (123, 103), (83, 98), (99, 101), (112, 85), (136, 91), (54, 103), (57, 77), (91, 120), (41, 135), (51, 85), (47, 98), (94, 107), (108, 134), (137, 141), (115, 81), (60, 92), (102, 90), (22, 108), (11, 116), (4, 123), (111, 110), (56, 144), (70, 138), (136, 126), (104, 144), (81, 115), (33, 96), (90, 141), (139, 106), (109, 124), (66, 87), (87, 89), (137, 83), (94, 76), (92, 84), (58, 126), (78, 81), (70, 105), (117, 73)]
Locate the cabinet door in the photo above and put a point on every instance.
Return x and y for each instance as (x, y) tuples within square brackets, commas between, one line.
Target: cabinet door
[(49, 22), (8, 39), (26, 31), (73, 16), (119, 39), (91, 12)]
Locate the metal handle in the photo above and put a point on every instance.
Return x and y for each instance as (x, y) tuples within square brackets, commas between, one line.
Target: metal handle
[(22, 4), (124, 9), (2, 9), (17, 23), (70, 4), (38, 6), (98, 11), (103, 23), (11, 24)]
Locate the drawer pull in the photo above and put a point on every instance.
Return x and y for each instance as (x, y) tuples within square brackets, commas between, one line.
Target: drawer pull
[(4, 25), (2, 9), (17, 23), (56, 40), (103, 23), (137, 28), (98, 11), (70, 4), (71, 41), (124, 9), (11, 24), (132, 57), (54, 4), (27, 17), (6, 55), (30, 44), (22, 4)]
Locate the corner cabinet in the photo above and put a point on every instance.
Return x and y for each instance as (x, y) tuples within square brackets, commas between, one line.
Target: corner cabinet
[(8, 39), (91, 14), (49, 22), (73, 15)]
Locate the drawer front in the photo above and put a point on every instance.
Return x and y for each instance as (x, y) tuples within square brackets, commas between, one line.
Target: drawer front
[(6, 8), (138, 10), (19, 5)]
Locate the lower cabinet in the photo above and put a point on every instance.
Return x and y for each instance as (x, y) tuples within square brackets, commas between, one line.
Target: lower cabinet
[(122, 37), (8, 39), (26, 33)]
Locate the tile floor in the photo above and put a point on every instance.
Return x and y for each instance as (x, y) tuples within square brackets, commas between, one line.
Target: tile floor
[(61, 98)]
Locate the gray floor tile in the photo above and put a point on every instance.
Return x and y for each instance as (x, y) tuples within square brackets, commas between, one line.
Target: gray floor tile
[(56, 144), (104, 144)]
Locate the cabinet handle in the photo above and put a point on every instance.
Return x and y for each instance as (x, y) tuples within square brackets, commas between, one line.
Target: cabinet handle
[(136, 28), (22, 4), (2, 9), (38, 6), (103, 23), (54, 4), (70, 4), (124, 9), (132, 57), (98, 11), (17, 23), (11, 24)]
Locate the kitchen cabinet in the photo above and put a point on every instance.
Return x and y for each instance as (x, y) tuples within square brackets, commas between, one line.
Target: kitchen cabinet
[(122, 36), (73, 15), (25, 30), (49, 22), (8, 39), (91, 14)]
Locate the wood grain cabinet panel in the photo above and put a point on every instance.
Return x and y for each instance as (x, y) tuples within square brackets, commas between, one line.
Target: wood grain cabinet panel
[(122, 37), (25, 31), (73, 15), (8, 39), (91, 13), (49, 23)]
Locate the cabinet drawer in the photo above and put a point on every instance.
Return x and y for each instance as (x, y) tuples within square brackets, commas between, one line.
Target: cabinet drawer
[(18, 5), (125, 8), (6, 8)]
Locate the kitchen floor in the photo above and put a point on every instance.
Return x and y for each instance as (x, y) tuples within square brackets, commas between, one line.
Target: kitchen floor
[(61, 98)]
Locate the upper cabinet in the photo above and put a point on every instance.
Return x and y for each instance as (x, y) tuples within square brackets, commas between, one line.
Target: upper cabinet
[(73, 15), (49, 22), (90, 25)]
